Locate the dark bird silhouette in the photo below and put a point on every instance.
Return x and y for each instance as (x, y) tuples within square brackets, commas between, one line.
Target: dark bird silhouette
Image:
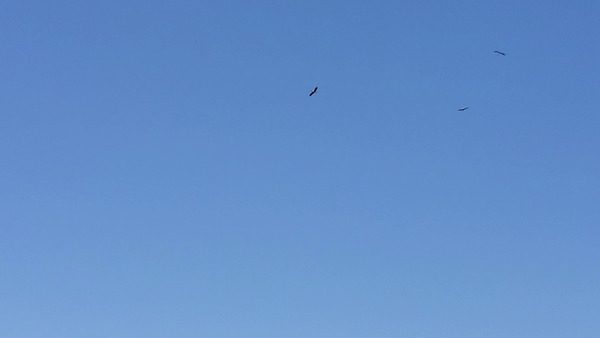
[(313, 91), (463, 109), (499, 53)]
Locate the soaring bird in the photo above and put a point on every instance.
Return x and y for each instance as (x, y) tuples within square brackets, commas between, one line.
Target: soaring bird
[(499, 53), (463, 109), (313, 91)]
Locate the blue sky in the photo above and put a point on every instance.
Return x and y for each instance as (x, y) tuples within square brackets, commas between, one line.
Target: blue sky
[(165, 173)]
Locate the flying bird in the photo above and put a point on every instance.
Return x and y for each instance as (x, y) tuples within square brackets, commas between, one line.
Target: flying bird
[(313, 91), (499, 53), (463, 109)]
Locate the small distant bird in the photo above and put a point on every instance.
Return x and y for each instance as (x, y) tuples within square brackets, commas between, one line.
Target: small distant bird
[(499, 53), (313, 91), (463, 109)]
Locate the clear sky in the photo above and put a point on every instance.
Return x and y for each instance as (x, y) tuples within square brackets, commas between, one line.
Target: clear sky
[(165, 174)]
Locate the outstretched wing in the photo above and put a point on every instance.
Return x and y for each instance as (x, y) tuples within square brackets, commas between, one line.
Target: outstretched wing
[(313, 91), (499, 52)]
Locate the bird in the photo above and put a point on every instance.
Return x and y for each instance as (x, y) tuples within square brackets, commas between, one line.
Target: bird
[(499, 53), (463, 109), (313, 91)]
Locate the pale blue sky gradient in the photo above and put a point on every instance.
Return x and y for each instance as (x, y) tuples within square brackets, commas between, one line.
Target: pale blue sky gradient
[(165, 174)]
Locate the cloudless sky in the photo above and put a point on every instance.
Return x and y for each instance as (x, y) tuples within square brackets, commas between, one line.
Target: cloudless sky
[(164, 172)]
